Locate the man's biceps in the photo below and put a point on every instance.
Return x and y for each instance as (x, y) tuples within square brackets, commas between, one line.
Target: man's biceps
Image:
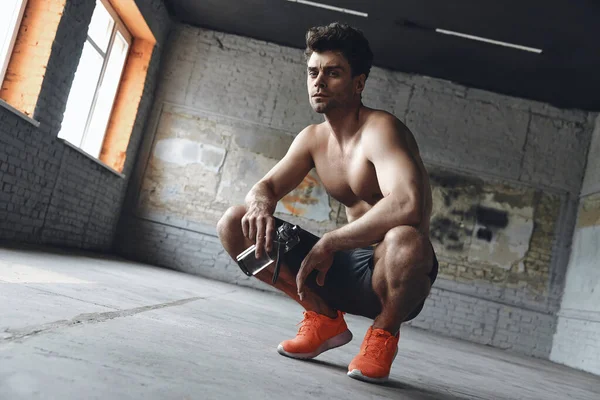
[(400, 185), (392, 173), (401, 168)]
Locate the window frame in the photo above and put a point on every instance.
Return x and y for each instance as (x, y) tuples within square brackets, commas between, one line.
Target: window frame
[(119, 27), (16, 25)]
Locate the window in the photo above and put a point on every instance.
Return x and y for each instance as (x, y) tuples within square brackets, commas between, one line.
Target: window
[(96, 81), (11, 12)]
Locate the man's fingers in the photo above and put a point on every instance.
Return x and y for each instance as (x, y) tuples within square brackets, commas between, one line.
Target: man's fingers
[(260, 237), (252, 228), (300, 281), (321, 277), (301, 277), (269, 234), (245, 226)]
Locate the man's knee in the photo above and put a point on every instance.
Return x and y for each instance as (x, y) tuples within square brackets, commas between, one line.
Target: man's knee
[(231, 220), (407, 249), (406, 239)]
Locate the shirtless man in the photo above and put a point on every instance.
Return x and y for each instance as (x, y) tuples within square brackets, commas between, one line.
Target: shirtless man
[(381, 264)]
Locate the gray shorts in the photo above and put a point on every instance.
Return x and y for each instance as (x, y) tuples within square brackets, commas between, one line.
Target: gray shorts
[(348, 284)]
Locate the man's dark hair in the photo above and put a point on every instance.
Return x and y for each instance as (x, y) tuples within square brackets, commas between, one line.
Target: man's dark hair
[(351, 42)]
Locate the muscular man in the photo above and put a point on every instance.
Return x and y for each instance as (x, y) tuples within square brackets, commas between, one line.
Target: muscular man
[(381, 264)]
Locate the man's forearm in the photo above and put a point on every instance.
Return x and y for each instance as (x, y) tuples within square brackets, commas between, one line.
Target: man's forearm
[(372, 226), (261, 196)]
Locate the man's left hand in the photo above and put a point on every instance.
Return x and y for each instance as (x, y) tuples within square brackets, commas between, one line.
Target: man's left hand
[(319, 258)]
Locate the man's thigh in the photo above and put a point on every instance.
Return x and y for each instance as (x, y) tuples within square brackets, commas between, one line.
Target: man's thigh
[(348, 284)]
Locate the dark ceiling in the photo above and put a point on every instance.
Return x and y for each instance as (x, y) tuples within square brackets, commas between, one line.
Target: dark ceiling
[(403, 38)]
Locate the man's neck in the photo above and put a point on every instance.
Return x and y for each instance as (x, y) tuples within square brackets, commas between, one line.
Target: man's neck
[(344, 122)]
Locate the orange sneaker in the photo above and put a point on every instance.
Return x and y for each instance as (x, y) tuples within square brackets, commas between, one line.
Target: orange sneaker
[(317, 333), (377, 353)]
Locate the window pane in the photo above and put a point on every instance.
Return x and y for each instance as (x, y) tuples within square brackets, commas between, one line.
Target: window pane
[(81, 95), (9, 10), (101, 26), (106, 97)]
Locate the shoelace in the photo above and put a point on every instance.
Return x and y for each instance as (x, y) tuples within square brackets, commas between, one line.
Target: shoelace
[(308, 323), (374, 346)]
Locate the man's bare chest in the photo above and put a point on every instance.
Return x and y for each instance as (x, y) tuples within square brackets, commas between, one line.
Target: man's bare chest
[(349, 177)]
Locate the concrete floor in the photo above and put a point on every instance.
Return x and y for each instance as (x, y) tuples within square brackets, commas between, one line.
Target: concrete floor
[(73, 326)]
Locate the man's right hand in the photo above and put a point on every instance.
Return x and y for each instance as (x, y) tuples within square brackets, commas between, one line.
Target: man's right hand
[(258, 225)]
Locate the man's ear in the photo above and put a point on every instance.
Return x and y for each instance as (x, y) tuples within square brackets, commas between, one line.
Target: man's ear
[(359, 83)]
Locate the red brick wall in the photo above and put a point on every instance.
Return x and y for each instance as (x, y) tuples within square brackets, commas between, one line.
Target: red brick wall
[(33, 45), (126, 105)]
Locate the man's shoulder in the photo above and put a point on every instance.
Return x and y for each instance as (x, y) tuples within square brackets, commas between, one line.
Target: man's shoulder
[(312, 128), (308, 138), (380, 122), (385, 132), (312, 131), (380, 115)]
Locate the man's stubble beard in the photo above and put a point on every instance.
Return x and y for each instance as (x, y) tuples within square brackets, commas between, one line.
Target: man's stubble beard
[(322, 108)]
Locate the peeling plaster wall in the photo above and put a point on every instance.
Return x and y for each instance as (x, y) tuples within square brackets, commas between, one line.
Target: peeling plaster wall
[(488, 230), (506, 173), (579, 316), (202, 163)]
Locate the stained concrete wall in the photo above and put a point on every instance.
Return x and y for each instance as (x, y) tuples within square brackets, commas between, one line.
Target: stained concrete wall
[(577, 339), (506, 174), (49, 192)]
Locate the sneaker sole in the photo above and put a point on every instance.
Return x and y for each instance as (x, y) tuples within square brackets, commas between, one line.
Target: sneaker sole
[(332, 343), (357, 374)]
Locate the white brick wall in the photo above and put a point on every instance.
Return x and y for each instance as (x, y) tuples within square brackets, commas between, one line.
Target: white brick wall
[(577, 343), (577, 339)]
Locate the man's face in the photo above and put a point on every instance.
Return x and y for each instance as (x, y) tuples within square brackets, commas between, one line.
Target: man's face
[(330, 83)]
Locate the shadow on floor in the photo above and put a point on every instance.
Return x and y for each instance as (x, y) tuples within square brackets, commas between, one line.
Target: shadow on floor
[(398, 388)]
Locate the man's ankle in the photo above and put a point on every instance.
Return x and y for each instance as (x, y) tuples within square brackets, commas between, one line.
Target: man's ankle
[(328, 312)]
